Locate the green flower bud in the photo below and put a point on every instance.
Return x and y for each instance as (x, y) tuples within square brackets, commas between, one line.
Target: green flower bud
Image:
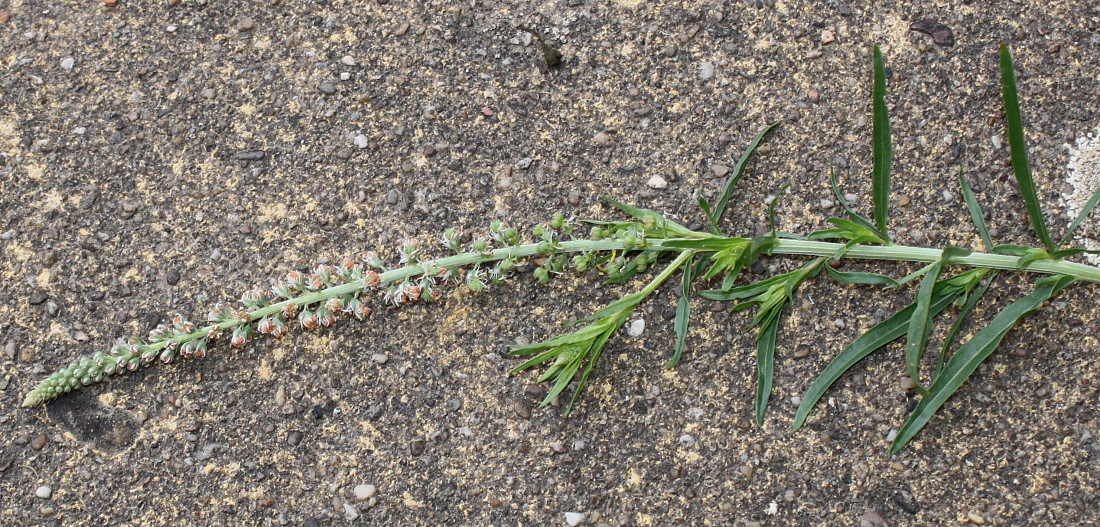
[(542, 275)]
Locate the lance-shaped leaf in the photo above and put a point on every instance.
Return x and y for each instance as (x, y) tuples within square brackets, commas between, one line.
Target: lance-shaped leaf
[(1018, 149), (683, 311), (858, 277), (975, 211), (971, 354), (1091, 204), (881, 152), (920, 324), (735, 174)]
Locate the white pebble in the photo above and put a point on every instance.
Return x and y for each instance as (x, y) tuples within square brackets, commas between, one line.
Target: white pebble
[(44, 492), (80, 130), (997, 142), (573, 519), (361, 141), (636, 327), (657, 182), (380, 358), (348, 60), (171, 29), (365, 492), (687, 439), (68, 63), (350, 512), (796, 400)]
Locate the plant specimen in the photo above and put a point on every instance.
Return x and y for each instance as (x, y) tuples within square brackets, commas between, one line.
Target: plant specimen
[(622, 249)]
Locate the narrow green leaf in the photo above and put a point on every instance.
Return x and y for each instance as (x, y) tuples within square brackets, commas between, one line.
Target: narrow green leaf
[(1062, 253), (765, 362), (705, 205), (856, 277), (971, 301), (880, 143), (975, 211), (1018, 149), (1011, 249), (912, 276), (875, 338), (683, 312), (971, 354), (745, 291), (1081, 216), (738, 169), (920, 324)]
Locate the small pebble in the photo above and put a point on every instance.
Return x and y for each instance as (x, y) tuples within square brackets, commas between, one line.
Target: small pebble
[(361, 141), (365, 492), (68, 63), (44, 492), (348, 60), (38, 442), (636, 327), (379, 358), (719, 170), (657, 182), (975, 518), (573, 519), (706, 70), (828, 36), (997, 142), (601, 138)]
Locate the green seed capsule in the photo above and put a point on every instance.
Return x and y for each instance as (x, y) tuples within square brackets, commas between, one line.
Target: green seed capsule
[(597, 233), (558, 220), (475, 284), (580, 263)]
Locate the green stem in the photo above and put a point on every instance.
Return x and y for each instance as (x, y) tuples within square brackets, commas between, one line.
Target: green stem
[(64, 380), (921, 254)]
